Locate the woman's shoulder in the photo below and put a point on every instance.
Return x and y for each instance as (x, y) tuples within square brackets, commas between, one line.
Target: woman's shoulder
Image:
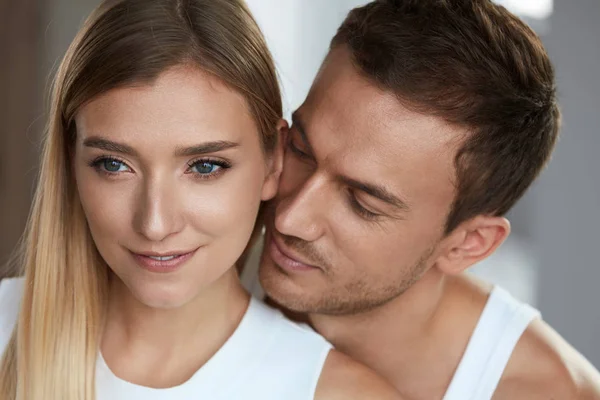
[(291, 333), (11, 291), (276, 358), (333, 374)]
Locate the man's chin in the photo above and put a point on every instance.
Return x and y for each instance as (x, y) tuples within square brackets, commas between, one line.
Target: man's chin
[(283, 289)]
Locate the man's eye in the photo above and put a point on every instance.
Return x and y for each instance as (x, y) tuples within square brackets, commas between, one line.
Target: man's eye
[(360, 209), (296, 149)]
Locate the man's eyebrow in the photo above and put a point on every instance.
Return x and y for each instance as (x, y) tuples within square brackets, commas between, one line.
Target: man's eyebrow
[(376, 191), (203, 148), (297, 123)]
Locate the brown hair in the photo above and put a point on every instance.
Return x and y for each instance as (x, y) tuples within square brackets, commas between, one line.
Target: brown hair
[(476, 65), (52, 353)]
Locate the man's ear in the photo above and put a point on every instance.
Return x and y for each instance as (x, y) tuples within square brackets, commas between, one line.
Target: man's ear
[(275, 163), (471, 242)]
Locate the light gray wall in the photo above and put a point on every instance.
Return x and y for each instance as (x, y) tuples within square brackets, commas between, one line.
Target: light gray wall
[(566, 200)]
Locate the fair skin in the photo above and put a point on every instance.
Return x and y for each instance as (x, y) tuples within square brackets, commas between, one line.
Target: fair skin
[(355, 239), (176, 168)]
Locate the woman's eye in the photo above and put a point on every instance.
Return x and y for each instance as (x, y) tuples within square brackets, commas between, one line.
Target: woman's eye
[(110, 165), (205, 167), (114, 166)]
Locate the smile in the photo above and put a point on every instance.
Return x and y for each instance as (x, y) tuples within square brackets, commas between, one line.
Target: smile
[(163, 263), (167, 258)]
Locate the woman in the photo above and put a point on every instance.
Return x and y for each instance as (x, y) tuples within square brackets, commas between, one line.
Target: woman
[(162, 144)]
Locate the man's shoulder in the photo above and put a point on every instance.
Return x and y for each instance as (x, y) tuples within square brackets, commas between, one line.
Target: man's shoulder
[(544, 366), (345, 379)]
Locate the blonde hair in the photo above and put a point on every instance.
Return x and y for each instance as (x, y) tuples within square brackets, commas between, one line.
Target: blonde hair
[(52, 352)]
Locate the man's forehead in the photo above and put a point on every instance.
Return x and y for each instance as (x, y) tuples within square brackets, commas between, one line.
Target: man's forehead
[(339, 84), (379, 125), (343, 99)]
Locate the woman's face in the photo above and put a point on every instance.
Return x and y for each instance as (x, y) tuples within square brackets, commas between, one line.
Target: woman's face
[(171, 177)]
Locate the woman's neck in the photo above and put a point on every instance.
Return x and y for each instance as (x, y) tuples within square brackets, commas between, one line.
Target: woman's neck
[(165, 347)]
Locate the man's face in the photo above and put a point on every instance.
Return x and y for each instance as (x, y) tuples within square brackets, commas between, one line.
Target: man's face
[(366, 188)]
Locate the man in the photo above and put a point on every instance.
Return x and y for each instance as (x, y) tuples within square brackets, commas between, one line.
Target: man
[(426, 123)]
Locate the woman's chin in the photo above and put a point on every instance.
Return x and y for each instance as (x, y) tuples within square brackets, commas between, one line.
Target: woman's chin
[(161, 296)]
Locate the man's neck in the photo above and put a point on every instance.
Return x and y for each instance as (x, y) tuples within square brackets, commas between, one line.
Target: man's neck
[(415, 340)]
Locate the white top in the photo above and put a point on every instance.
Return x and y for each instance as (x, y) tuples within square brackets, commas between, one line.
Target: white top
[(503, 321), (267, 358)]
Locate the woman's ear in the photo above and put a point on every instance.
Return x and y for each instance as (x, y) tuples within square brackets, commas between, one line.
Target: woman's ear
[(275, 162)]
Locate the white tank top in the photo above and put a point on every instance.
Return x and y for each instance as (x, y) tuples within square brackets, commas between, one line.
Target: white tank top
[(267, 358), (503, 321)]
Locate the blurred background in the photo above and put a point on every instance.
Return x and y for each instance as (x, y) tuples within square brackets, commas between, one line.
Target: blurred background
[(551, 260)]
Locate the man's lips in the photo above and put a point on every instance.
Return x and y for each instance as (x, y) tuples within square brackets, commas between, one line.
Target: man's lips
[(286, 259)]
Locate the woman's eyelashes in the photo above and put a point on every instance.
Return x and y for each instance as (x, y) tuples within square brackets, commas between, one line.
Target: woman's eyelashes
[(203, 168), (206, 168), (109, 166)]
